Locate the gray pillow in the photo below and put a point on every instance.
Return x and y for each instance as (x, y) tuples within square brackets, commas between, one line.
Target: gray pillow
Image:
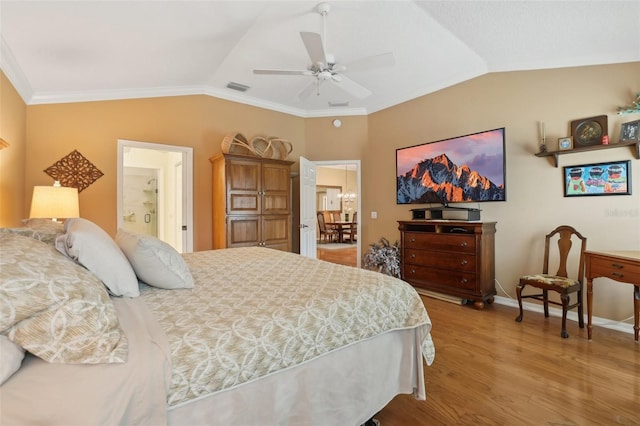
[(155, 262), (11, 356), (90, 246)]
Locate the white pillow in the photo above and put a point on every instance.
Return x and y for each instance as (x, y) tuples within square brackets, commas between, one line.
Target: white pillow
[(11, 356), (90, 246), (155, 262)]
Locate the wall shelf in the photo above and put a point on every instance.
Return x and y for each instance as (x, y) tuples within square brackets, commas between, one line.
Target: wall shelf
[(635, 146)]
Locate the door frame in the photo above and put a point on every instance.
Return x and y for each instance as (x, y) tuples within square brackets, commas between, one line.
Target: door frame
[(187, 184)]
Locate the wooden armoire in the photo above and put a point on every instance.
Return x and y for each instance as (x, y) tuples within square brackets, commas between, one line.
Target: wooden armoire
[(251, 202)]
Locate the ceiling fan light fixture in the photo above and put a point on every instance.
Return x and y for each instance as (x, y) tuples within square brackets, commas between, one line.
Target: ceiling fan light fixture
[(324, 75)]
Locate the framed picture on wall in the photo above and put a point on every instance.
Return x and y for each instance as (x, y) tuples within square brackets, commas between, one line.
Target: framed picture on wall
[(613, 178), (630, 131), (565, 144)]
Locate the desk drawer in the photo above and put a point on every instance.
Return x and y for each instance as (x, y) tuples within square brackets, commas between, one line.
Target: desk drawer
[(619, 270), (444, 242)]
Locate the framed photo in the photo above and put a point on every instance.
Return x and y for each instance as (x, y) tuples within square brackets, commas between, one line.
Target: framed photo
[(565, 144), (630, 131), (613, 178), (589, 131)]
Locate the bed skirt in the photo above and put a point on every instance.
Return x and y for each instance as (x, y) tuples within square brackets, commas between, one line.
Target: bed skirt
[(317, 393)]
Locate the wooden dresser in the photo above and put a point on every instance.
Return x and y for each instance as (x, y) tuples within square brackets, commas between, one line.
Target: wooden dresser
[(251, 202), (451, 257)]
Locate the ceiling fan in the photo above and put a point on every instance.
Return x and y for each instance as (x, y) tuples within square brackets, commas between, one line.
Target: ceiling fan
[(324, 66)]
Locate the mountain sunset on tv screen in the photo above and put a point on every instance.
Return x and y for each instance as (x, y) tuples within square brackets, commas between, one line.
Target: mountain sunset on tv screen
[(462, 169)]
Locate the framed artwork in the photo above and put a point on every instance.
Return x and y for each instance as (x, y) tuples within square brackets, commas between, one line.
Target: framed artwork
[(630, 131), (589, 131), (565, 144), (613, 178)]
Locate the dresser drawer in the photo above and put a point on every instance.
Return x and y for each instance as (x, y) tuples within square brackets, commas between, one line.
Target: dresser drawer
[(428, 258), (417, 274), (619, 270), (444, 242)]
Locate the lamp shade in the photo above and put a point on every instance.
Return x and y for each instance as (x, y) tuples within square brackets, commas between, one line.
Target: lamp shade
[(54, 202)]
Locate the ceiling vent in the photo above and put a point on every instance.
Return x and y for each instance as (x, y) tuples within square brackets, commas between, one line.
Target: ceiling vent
[(237, 86), (339, 104)]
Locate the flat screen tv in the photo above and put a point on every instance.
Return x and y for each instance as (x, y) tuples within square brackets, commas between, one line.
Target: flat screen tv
[(463, 169)]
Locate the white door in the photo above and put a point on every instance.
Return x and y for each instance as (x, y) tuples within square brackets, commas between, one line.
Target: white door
[(307, 208)]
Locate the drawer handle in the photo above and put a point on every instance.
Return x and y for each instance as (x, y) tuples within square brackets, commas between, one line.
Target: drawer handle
[(617, 274), (463, 244), (413, 271), (412, 240), (617, 265), (463, 281), (413, 256), (464, 262)]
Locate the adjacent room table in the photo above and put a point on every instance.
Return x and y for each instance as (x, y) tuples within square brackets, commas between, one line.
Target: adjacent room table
[(340, 226)]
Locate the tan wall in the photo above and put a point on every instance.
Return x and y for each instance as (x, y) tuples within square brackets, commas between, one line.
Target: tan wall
[(12, 158), (516, 100), (535, 202), (93, 128)]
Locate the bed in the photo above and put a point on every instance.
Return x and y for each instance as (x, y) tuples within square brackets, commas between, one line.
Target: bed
[(237, 336)]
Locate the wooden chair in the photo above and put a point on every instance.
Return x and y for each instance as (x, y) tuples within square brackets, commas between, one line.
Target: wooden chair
[(352, 231), (327, 234), (560, 282)]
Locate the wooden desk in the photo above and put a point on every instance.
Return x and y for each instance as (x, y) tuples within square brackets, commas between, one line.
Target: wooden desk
[(621, 266), (340, 226)]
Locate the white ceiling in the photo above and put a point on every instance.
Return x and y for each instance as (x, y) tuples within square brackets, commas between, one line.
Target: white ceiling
[(67, 51)]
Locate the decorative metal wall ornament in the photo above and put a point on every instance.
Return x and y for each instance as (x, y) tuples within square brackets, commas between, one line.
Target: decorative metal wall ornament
[(74, 171)]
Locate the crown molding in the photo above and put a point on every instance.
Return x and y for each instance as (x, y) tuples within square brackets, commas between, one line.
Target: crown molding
[(14, 73)]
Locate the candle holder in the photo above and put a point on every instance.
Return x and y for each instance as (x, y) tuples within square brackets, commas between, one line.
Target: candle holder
[(543, 144)]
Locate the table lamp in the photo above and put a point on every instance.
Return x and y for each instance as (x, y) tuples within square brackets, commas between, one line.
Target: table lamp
[(54, 202)]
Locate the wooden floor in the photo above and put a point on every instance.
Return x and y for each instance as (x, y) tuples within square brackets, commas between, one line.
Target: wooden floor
[(347, 256), (491, 370)]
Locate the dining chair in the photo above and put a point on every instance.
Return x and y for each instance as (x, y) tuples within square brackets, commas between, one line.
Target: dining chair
[(351, 232), (560, 281), (326, 234)]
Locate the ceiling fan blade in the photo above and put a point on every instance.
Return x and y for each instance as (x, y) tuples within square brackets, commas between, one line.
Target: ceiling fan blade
[(371, 62), (283, 72), (308, 89), (313, 44), (353, 88)]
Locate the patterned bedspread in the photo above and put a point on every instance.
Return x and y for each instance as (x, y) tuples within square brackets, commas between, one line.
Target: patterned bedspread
[(254, 311)]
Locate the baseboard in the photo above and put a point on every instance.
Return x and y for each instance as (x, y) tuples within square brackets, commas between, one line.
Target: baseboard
[(439, 296), (571, 315)]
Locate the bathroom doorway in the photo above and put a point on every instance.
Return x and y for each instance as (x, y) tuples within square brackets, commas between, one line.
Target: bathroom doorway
[(155, 191)]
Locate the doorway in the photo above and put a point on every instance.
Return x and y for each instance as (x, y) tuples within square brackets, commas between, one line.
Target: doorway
[(343, 178), (155, 191)]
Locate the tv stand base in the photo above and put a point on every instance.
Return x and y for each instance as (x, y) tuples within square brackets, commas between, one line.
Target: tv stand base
[(437, 213)]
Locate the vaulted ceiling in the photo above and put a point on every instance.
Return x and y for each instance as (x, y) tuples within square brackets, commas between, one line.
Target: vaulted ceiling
[(66, 51)]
